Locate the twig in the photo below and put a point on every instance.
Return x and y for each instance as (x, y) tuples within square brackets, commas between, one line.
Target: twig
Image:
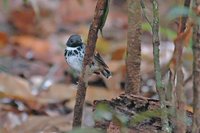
[(183, 19), (159, 85), (180, 103), (169, 89), (49, 76), (91, 44), (187, 80), (144, 12), (178, 97)]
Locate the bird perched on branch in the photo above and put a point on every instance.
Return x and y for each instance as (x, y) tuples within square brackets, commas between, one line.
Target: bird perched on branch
[(74, 54)]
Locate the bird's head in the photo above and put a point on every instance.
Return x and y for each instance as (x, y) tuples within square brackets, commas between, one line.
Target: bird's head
[(74, 41)]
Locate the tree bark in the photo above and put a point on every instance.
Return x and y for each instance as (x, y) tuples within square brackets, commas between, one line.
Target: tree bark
[(133, 57), (196, 76), (130, 106), (179, 77), (90, 48), (157, 69)]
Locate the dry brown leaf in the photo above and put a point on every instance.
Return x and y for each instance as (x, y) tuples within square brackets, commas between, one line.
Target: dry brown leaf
[(118, 54), (115, 65), (40, 48), (32, 43), (189, 108), (118, 19), (9, 120), (99, 93), (180, 41), (184, 37), (45, 124), (60, 92), (24, 19), (16, 88), (57, 93), (82, 13), (3, 39), (3, 130)]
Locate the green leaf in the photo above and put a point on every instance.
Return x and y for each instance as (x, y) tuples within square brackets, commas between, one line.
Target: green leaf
[(122, 118), (104, 17), (146, 27), (166, 32), (170, 34), (103, 112), (145, 115)]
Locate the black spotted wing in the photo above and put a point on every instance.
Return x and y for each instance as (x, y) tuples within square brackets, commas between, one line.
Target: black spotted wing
[(100, 60)]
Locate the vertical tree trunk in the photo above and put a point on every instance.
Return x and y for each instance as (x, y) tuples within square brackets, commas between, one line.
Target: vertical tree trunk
[(180, 102), (196, 76), (159, 85), (133, 57), (179, 77)]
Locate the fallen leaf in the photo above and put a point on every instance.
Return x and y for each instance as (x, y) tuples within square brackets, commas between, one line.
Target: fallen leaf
[(99, 93), (17, 88), (180, 41), (46, 124), (118, 54), (115, 65), (3, 39), (9, 120), (185, 36), (57, 92), (33, 43), (24, 19), (189, 108), (40, 48), (60, 92), (84, 12)]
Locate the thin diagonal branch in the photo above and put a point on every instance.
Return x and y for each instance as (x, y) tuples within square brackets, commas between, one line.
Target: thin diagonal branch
[(90, 48), (144, 12)]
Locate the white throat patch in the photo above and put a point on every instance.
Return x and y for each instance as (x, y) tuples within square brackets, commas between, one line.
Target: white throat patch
[(71, 48)]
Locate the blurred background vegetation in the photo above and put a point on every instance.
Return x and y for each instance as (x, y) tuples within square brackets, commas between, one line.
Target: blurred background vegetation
[(37, 87)]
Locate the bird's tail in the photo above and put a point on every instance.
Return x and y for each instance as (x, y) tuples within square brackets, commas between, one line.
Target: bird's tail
[(106, 73)]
